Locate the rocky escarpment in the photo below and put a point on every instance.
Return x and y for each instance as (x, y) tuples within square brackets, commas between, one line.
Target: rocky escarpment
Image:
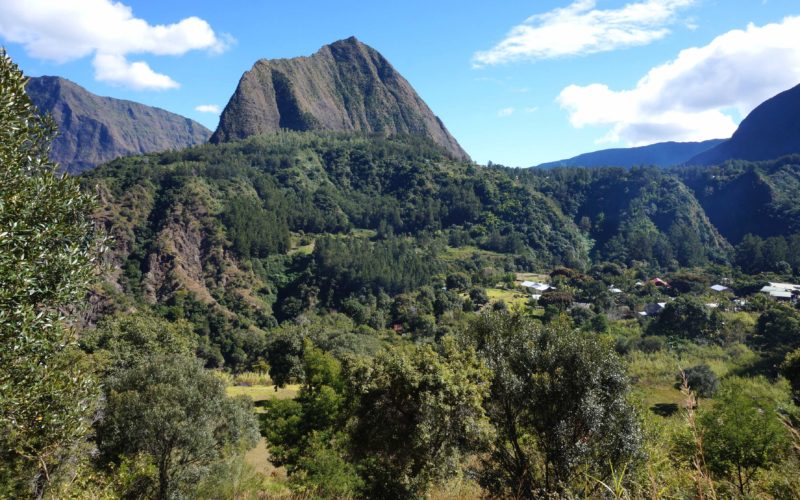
[(93, 130), (345, 86)]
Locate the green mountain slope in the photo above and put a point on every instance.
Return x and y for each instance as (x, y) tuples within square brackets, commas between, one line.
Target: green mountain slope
[(250, 232), (749, 198), (643, 214)]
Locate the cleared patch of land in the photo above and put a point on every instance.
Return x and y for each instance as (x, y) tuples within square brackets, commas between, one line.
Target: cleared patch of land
[(540, 278), (263, 392), (466, 253), (510, 297)]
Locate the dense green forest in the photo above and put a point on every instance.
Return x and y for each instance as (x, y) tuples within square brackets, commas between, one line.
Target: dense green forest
[(304, 315)]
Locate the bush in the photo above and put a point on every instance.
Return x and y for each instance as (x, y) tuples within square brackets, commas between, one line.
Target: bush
[(556, 299), (742, 433), (478, 296), (650, 344), (416, 414), (700, 379), (457, 281)]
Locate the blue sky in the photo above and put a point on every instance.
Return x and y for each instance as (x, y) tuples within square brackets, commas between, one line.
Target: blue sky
[(517, 83)]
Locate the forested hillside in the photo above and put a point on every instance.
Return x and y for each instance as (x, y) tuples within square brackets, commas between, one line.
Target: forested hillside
[(749, 198), (264, 229), (245, 235), (642, 214)]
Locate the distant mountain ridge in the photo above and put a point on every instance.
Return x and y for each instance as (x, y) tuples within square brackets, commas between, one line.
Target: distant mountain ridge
[(662, 154), (345, 86), (770, 131), (93, 130)]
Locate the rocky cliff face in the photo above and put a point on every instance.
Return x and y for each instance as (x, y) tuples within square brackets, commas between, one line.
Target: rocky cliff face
[(345, 86), (94, 129)]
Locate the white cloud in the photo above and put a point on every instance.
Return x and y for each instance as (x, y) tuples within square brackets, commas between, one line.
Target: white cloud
[(115, 69), (691, 97), (208, 108), (581, 29), (502, 113), (66, 30)]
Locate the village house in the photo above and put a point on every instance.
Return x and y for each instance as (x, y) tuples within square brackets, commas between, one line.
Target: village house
[(782, 291), (654, 308), (534, 285)]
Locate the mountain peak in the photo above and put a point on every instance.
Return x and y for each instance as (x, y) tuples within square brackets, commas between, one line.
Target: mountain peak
[(351, 40), (770, 131), (344, 86), (95, 129)]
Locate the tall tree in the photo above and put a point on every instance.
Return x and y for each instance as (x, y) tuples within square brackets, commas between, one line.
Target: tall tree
[(175, 413), (47, 256), (559, 402), (416, 413)]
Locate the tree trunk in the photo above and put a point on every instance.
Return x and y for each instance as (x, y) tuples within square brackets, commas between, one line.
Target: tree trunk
[(163, 479), (739, 474)]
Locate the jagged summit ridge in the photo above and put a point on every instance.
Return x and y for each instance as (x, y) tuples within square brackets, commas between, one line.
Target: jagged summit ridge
[(345, 86)]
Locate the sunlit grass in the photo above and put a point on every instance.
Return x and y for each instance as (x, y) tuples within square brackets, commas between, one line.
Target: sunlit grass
[(510, 297), (263, 392), (466, 253), (541, 278)]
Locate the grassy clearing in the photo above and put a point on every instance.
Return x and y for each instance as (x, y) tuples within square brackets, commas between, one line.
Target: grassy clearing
[(510, 297), (466, 253), (296, 244), (364, 233), (263, 392), (655, 374), (659, 396), (541, 278), (258, 458)]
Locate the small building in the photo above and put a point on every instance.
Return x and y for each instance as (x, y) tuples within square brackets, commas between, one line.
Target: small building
[(782, 291), (781, 295), (719, 288), (534, 285), (786, 286), (654, 308), (659, 282), (614, 289)]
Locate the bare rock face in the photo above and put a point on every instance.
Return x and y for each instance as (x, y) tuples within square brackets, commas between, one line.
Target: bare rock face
[(93, 130), (345, 86)]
